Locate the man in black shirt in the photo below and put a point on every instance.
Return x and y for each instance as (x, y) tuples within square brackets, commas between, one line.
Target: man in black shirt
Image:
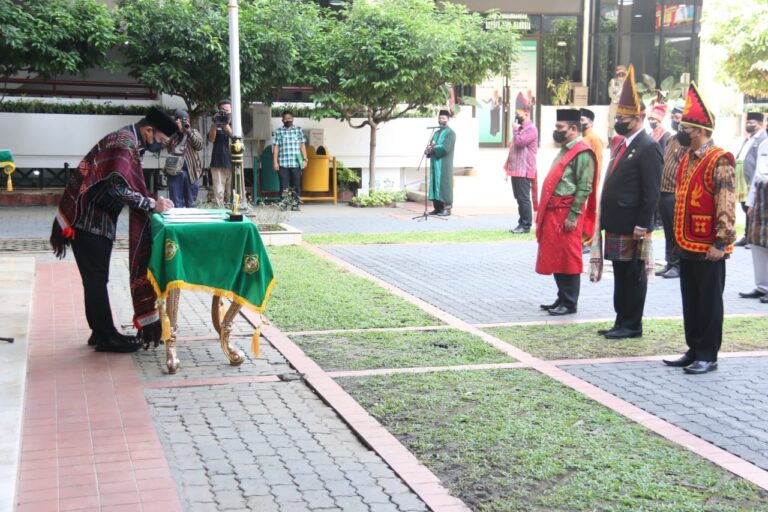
[(221, 158)]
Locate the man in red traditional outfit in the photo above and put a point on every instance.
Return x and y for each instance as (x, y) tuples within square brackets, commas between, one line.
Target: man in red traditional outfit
[(567, 212), (705, 213), (108, 178)]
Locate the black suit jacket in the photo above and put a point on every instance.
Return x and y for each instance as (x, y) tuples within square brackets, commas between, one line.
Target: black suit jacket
[(631, 191)]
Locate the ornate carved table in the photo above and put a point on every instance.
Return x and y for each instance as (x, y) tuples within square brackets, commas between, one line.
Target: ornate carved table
[(200, 250)]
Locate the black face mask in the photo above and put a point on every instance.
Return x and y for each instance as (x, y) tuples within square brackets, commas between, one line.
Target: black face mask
[(559, 136), (750, 128), (653, 124), (684, 138), (621, 128), (287, 124), (584, 127), (676, 125), (519, 120)]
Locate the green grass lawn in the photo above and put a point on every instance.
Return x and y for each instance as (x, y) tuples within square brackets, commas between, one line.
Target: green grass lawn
[(573, 341), (418, 237), (314, 294), (370, 350), (514, 440)]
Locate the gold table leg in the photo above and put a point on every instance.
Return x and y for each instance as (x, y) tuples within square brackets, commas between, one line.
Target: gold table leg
[(222, 322), (171, 309)]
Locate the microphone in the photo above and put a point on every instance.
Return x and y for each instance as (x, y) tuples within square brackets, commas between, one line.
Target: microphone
[(433, 127)]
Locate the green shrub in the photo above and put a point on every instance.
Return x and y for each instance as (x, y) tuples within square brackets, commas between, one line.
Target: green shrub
[(380, 198)]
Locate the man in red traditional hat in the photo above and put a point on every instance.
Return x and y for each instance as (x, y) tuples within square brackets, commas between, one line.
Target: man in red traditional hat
[(108, 178), (521, 164), (705, 214), (655, 119), (567, 212), (628, 202)]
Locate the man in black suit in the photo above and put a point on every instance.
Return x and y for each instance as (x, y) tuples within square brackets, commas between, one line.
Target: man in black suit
[(630, 195)]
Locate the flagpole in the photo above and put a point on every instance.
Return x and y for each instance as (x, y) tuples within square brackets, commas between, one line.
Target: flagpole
[(236, 144)]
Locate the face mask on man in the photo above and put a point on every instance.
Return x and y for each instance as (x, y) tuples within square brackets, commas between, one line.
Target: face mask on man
[(653, 124), (584, 127), (622, 128), (684, 138), (750, 128), (676, 125), (519, 120), (559, 136), (287, 124)]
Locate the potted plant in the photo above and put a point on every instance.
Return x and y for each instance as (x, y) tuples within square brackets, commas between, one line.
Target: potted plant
[(347, 180)]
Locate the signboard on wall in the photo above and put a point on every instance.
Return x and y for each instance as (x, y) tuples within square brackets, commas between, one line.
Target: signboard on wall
[(491, 115), (674, 15)]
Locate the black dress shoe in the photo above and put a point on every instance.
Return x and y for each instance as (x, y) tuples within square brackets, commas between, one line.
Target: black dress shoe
[(742, 242), (520, 230), (622, 333), (562, 310), (603, 332), (672, 273), (446, 212), (699, 367), (662, 271), (754, 294), (92, 340), (764, 300), (434, 212), (118, 343), (547, 307), (680, 362)]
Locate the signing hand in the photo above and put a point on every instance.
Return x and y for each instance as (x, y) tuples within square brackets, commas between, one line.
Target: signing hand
[(714, 254), (163, 205), (569, 225)]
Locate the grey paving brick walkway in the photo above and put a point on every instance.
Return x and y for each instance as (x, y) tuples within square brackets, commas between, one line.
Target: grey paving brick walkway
[(270, 447), (728, 408), (495, 282)]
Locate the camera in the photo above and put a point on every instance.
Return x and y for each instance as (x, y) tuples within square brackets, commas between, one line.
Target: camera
[(221, 117)]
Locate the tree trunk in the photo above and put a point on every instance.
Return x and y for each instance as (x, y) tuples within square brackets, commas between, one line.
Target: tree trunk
[(372, 159)]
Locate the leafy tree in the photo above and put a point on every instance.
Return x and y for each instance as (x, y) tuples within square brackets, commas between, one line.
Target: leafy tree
[(181, 47), (54, 37), (732, 26), (377, 61)]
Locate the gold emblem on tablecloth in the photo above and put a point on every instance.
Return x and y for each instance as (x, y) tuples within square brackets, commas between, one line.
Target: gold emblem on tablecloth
[(170, 249), (251, 263)]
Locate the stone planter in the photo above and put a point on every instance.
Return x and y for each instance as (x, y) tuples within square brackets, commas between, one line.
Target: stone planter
[(288, 236)]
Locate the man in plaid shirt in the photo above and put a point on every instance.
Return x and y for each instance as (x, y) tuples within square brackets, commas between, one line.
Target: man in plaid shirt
[(289, 153)]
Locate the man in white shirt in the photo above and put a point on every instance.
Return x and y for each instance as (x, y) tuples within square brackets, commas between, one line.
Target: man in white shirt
[(757, 231), (746, 160)]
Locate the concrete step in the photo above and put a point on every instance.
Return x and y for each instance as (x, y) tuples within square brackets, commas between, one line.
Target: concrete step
[(476, 190)]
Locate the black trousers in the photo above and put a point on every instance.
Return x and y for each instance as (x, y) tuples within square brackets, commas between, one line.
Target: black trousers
[(667, 209), (701, 284), (568, 287), (92, 255), (629, 289), (290, 177), (521, 189)]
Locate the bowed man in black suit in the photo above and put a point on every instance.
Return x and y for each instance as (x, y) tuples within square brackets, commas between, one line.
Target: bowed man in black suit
[(630, 195)]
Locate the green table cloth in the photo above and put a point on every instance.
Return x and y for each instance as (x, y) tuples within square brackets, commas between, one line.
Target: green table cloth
[(224, 258)]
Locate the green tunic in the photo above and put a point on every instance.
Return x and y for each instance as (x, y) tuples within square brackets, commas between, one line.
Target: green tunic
[(577, 179), (441, 166)]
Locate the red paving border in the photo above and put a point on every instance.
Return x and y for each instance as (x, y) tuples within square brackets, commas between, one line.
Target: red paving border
[(717, 455), (89, 442)]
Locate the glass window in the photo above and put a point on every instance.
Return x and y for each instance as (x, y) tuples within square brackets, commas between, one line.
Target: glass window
[(561, 51), (677, 58)]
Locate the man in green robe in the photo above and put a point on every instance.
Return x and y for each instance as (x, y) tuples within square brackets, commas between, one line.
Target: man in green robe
[(440, 153)]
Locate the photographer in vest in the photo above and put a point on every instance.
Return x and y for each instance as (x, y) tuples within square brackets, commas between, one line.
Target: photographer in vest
[(705, 214)]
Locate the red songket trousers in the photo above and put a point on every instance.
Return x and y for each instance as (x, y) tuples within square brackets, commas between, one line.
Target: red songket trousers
[(559, 251)]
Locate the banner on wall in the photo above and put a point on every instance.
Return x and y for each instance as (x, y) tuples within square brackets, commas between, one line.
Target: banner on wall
[(490, 95)]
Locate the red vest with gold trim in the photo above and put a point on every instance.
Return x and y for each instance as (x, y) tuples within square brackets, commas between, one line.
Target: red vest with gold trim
[(695, 219)]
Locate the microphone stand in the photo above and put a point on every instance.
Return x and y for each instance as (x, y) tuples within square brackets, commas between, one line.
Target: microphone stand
[(425, 215)]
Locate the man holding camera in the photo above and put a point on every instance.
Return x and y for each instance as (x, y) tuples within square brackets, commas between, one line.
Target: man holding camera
[(184, 179), (221, 157)]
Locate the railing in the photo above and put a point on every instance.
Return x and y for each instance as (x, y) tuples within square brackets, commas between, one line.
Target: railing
[(77, 88)]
